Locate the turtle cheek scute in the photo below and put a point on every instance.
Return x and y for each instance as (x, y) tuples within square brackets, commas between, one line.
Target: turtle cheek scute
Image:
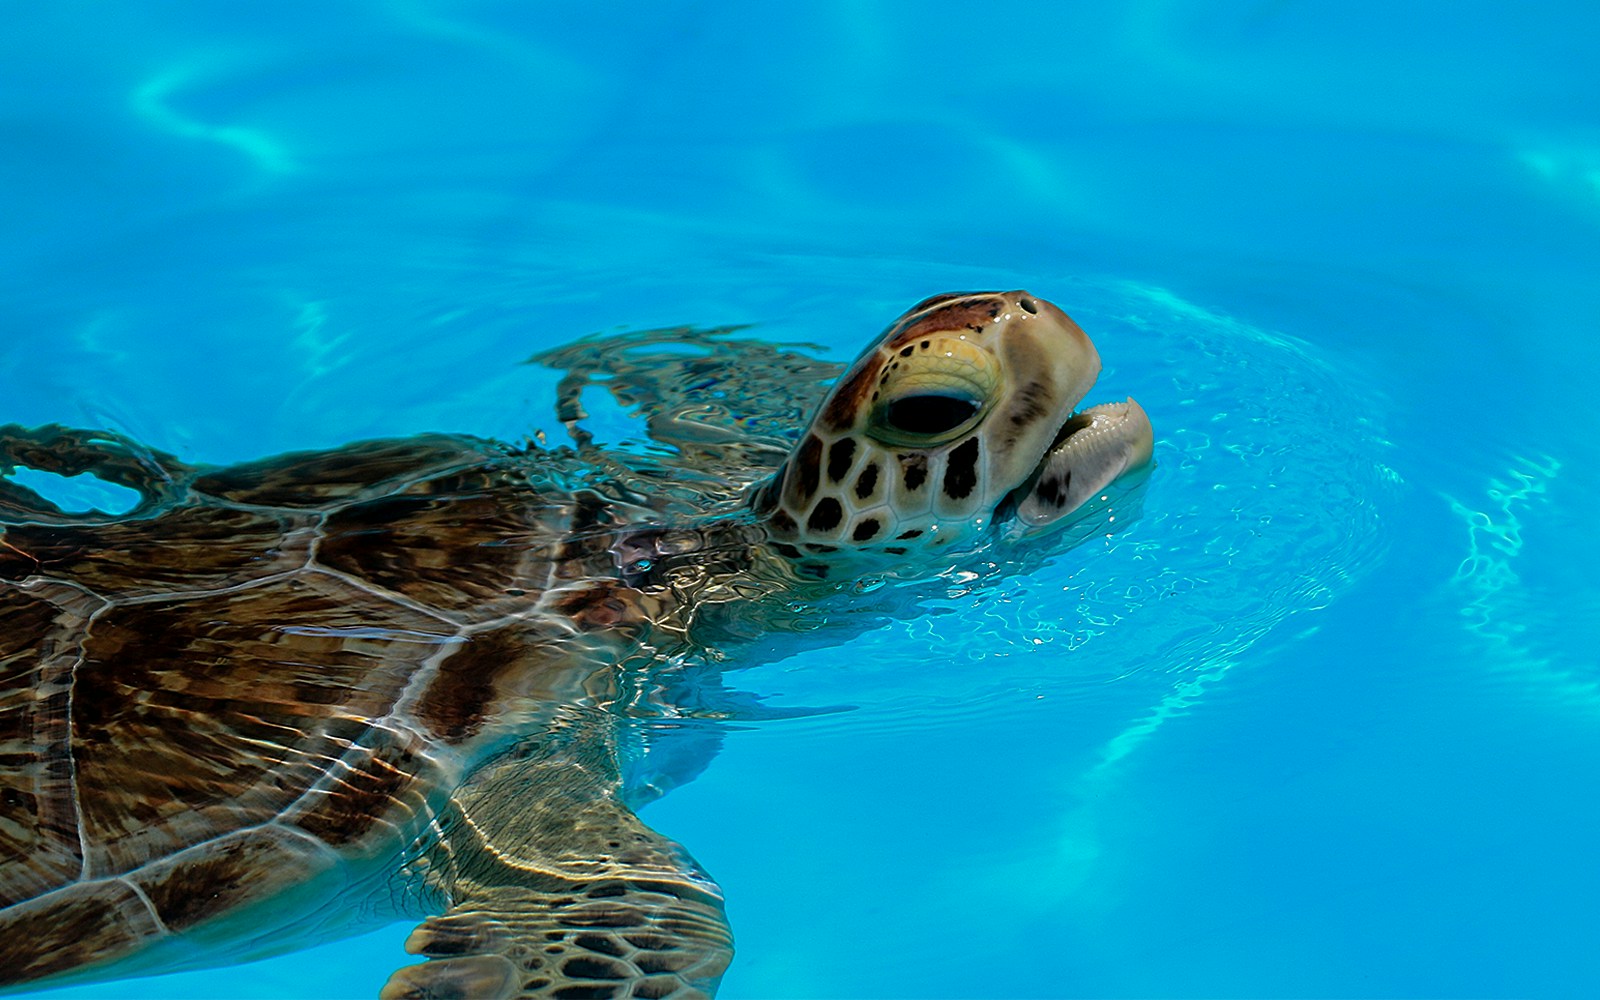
[(954, 487), (867, 528), (913, 471), (825, 517), (961, 470), (840, 456), (866, 488)]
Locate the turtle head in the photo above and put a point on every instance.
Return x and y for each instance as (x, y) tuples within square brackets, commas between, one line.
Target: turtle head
[(961, 415)]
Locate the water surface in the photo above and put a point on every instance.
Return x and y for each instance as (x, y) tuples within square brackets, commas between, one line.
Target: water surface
[(1320, 723)]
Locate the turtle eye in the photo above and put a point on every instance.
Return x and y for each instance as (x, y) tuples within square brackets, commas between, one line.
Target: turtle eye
[(928, 415), (926, 419), (933, 391)]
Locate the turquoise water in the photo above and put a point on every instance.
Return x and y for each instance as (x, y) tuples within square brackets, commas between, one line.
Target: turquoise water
[(1322, 723)]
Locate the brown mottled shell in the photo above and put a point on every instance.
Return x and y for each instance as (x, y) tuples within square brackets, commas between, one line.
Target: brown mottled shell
[(279, 665), (264, 671)]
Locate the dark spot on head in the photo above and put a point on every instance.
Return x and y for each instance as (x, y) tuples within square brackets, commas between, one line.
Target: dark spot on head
[(1053, 491), (961, 471), (807, 471), (905, 352), (895, 550), (915, 469), (867, 481), (866, 529), (1028, 405), (786, 550), (839, 457), (913, 533), (1032, 397), (925, 343), (826, 515)]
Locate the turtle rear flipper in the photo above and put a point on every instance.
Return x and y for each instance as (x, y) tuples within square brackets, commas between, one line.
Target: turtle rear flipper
[(558, 890)]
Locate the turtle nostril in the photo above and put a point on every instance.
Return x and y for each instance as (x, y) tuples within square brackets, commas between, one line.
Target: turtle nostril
[(1029, 305)]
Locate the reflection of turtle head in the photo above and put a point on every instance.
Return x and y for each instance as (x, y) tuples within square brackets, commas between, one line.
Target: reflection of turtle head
[(960, 414)]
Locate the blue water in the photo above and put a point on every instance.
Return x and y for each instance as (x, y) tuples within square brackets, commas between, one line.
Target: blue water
[(1322, 723)]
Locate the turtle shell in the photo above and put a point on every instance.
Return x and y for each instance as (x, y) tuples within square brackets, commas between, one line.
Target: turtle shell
[(265, 671), (286, 665)]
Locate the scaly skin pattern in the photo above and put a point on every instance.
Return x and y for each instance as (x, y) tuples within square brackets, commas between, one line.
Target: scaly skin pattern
[(989, 381), (413, 656)]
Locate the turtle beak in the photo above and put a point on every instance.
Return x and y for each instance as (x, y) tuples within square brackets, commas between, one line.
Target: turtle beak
[(1094, 450)]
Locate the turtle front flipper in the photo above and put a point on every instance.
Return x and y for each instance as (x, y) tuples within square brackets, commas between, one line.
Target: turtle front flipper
[(558, 890), (723, 410)]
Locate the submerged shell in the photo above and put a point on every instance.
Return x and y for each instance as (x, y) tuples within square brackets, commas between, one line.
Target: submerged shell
[(198, 705), (267, 669)]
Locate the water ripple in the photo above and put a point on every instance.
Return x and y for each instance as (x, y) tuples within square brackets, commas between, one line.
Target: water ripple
[(153, 101)]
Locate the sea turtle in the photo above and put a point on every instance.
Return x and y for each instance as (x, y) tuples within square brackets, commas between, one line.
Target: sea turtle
[(391, 676)]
